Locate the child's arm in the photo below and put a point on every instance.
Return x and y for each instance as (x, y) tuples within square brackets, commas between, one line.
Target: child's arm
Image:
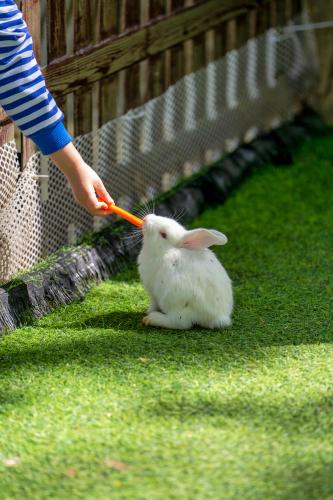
[(25, 98)]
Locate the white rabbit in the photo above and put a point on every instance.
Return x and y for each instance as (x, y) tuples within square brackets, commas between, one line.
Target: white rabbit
[(186, 282)]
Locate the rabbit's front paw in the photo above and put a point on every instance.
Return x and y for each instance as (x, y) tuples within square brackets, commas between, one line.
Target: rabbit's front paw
[(156, 318), (149, 319), (174, 321)]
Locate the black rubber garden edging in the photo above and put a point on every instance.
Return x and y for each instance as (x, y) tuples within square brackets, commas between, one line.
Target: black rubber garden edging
[(70, 274)]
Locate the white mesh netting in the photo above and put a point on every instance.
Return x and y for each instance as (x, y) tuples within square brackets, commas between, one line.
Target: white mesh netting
[(146, 151)]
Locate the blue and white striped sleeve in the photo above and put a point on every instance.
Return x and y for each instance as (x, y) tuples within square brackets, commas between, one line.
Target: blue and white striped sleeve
[(23, 93)]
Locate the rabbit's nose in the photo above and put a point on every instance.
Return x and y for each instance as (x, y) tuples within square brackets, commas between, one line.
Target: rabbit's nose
[(145, 221), (148, 218)]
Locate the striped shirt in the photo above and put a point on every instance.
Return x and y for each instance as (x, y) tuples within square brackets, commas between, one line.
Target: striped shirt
[(23, 93)]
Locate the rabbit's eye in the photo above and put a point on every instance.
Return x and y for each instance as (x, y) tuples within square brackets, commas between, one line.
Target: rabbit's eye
[(163, 234)]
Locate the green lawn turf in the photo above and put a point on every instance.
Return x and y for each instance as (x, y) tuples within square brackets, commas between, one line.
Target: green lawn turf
[(245, 412)]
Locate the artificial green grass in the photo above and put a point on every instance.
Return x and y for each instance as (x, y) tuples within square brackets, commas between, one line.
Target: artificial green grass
[(246, 412)]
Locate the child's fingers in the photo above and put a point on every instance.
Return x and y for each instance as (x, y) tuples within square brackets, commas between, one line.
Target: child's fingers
[(102, 192), (100, 208), (91, 204), (101, 205), (100, 212)]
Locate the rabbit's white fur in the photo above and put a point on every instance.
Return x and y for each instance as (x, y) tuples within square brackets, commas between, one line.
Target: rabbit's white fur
[(186, 282)]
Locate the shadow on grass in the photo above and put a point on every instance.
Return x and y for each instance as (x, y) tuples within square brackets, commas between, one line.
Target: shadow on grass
[(104, 339), (244, 408), (115, 320), (300, 482), (10, 396)]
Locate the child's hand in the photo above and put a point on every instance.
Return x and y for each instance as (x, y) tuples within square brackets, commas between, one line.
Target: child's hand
[(85, 184), (84, 181)]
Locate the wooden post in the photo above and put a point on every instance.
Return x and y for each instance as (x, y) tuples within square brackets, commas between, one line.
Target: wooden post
[(56, 41), (31, 15), (56, 22), (159, 74), (110, 26), (144, 65), (135, 15), (83, 36)]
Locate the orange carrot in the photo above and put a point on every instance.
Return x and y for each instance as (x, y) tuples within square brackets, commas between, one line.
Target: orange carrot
[(123, 213)]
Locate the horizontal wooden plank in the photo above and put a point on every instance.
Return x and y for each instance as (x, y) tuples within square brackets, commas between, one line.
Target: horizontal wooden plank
[(110, 56), (70, 73), (194, 21)]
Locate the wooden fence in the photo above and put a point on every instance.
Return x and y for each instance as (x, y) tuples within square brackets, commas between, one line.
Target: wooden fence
[(105, 57)]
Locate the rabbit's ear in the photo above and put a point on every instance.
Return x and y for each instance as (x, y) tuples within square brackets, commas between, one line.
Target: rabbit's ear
[(198, 239)]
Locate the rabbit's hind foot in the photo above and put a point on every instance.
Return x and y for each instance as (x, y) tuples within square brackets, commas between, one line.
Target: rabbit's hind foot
[(221, 322)]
